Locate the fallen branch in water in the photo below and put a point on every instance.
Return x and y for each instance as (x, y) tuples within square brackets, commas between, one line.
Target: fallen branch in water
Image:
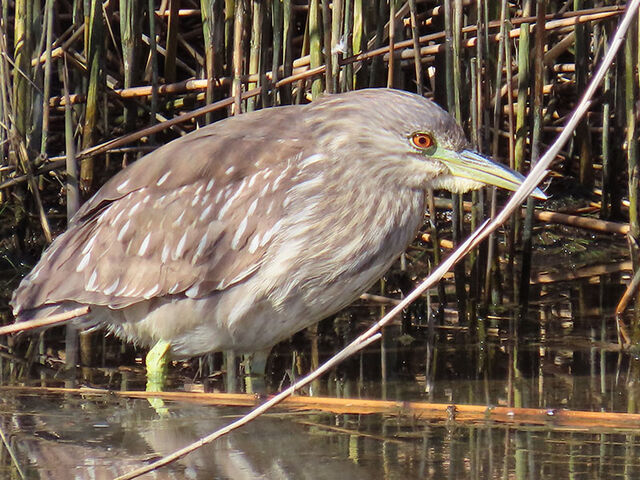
[(551, 417)]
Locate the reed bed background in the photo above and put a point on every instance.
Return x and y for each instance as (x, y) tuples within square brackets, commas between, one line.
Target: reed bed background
[(87, 87)]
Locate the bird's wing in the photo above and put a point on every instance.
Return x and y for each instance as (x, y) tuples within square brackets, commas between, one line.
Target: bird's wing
[(191, 218)]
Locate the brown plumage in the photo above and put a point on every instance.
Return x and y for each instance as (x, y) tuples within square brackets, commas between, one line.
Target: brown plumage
[(242, 233)]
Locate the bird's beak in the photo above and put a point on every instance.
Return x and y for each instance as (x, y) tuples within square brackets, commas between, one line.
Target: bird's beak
[(473, 166)]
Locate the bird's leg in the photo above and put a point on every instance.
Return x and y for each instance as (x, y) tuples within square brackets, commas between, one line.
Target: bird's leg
[(255, 367), (157, 366), (157, 363), (230, 367)]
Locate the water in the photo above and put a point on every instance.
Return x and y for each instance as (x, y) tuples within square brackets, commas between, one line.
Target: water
[(564, 355)]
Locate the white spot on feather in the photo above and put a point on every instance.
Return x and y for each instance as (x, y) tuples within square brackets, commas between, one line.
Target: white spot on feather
[(102, 216), (200, 250), (252, 207), (144, 245), (230, 170), (150, 293), (255, 242), (131, 292), (210, 185), (204, 213), (253, 178), (278, 179), (135, 207), (91, 284), (160, 201), (89, 244), (178, 220), (123, 230), (193, 291), (120, 188), (115, 219), (228, 203), (163, 178), (121, 291), (180, 248), (175, 288), (165, 253), (219, 196), (84, 262), (310, 160), (269, 233), (111, 288), (238, 235)]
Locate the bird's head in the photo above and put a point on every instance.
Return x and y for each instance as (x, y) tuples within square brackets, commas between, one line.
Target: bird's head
[(404, 129)]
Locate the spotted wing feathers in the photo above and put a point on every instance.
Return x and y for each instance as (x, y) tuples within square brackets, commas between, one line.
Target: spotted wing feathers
[(170, 225)]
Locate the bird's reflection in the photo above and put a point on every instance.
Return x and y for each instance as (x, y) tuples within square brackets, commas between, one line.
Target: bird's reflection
[(79, 438)]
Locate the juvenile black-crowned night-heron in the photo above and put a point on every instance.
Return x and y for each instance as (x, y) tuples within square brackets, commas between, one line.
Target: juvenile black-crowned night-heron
[(246, 231)]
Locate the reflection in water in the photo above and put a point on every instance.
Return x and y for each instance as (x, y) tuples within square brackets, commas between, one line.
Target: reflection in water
[(102, 439), (61, 438), (564, 354)]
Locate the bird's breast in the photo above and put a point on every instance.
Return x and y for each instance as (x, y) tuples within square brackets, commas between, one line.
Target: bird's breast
[(334, 245)]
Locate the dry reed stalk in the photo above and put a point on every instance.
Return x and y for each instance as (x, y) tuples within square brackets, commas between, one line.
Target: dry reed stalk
[(583, 141), (94, 54), (238, 55), (630, 292), (315, 46), (327, 40), (392, 40), (338, 42), (444, 243), (173, 28), (547, 216), (417, 58), (72, 184), (586, 272), (153, 63), (49, 13), (255, 50), (536, 140)]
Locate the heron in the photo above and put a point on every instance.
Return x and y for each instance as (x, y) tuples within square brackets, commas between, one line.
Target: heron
[(246, 231)]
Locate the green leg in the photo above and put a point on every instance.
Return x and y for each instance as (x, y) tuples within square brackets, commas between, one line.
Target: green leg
[(157, 363), (255, 369), (230, 366), (157, 366)]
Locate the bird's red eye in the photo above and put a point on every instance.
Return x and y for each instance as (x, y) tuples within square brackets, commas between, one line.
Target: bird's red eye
[(422, 140)]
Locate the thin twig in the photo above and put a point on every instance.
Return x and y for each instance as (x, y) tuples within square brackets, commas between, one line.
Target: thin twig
[(44, 322)]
